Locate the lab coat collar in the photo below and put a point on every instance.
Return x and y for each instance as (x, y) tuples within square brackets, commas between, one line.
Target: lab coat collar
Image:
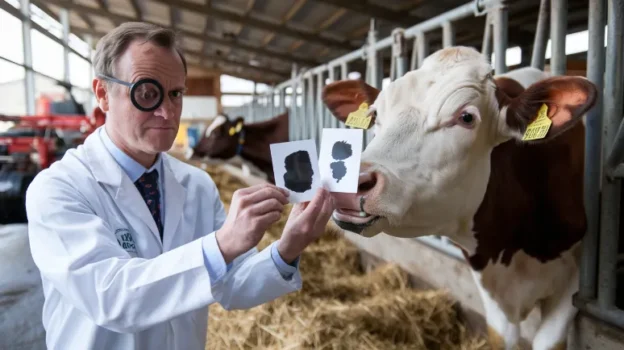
[(107, 170), (131, 167)]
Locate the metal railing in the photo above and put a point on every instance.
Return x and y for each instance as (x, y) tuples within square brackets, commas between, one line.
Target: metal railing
[(603, 164), (603, 155)]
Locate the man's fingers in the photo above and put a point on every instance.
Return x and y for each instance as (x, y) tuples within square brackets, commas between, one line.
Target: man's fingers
[(268, 219), (264, 194), (266, 206), (326, 211), (314, 207)]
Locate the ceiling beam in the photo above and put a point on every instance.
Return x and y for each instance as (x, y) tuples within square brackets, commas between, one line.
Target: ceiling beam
[(244, 65), (343, 45), (137, 9), (291, 12), (204, 37), (376, 11)]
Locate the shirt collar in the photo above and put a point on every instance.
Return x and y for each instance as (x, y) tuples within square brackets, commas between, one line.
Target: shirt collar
[(131, 167)]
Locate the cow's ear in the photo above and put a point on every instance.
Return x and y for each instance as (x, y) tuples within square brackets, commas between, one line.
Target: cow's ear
[(345, 96), (562, 99)]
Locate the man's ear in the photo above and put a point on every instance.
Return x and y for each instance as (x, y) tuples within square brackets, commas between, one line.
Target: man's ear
[(345, 96), (567, 98), (101, 93)]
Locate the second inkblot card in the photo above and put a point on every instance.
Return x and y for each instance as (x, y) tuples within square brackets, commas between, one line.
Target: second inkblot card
[(339, 159)]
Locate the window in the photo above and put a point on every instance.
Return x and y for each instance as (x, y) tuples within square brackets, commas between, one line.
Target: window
[(47, 55), (12, 88), (79, 71), (11, 43)]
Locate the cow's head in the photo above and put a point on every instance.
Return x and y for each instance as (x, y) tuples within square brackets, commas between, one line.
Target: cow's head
[(221, 138), (426, 170)]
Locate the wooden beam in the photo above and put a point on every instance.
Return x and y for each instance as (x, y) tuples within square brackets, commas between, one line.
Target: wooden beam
[(204, 37), (244, 65), (291, 12), (259, 23), (376, 11)]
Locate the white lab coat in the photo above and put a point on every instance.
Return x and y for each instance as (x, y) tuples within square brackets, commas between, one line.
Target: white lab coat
[(150, 295)]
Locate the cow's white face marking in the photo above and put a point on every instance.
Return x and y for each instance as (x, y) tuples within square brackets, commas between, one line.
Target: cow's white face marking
[(217, 122), (434, 132)]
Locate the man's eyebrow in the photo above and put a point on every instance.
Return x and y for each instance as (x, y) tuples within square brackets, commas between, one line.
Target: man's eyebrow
[(180, 87)]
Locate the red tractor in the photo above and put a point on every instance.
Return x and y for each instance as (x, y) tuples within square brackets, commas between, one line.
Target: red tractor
[(33, 144)]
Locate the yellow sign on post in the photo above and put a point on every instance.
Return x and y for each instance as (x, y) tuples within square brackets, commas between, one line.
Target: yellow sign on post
[(359, 118), (539, 127)]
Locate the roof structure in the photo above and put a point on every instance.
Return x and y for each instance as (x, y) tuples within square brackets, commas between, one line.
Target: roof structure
[(261, 39)]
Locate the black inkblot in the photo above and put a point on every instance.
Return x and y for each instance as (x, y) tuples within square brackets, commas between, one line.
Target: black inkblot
[(339, 170), (341, 150), (299, 171)]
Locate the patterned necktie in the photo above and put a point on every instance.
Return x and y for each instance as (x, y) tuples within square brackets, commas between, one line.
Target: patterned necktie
[(147, 185)]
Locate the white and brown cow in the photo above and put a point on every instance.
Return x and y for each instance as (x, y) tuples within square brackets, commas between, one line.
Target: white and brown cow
[(447, 158)]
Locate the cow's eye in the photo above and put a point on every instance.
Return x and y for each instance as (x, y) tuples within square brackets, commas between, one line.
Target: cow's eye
[(467, 118)]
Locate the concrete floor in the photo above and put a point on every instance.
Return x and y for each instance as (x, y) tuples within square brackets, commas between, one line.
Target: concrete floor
[(21, 296)]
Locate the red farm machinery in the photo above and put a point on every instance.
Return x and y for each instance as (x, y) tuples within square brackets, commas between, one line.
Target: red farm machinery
[(33, 143)]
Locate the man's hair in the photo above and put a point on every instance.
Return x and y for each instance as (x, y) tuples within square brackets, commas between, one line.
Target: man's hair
[(112, 46)]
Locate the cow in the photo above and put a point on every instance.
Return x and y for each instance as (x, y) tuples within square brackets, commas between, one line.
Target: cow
[(226, 139), (448, 158)]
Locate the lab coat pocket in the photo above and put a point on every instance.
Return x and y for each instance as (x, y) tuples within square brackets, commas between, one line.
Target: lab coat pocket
[(126, 241)]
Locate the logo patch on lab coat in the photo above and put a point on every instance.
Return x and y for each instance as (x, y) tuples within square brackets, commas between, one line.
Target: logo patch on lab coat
[(125, 240)]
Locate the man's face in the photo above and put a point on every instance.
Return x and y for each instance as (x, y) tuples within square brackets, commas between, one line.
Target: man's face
[(144, 134)]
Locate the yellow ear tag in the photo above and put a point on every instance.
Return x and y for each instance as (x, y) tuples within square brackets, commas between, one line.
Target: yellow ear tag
[(239, 126), (232, 131), (359, 118), (539, 127)]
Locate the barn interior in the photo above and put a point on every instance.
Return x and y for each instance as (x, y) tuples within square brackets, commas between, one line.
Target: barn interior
[(245, 58)]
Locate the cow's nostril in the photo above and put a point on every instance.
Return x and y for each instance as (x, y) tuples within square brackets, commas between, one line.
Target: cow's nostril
[(367, 181)]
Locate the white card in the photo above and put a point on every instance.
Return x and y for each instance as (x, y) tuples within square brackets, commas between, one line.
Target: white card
[(339, 159), (295, 167)]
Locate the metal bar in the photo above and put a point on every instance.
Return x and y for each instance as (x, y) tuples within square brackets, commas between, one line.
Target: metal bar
[(448, 34), (538, 57), (399, 54), (500, 38), (423, 48), (320, 109), (610, 201), (593, 144), (311, 110), (292, 115), (616, 152), (558, 26), (486, 46), (612, 316), (64, 19), (29, 82)]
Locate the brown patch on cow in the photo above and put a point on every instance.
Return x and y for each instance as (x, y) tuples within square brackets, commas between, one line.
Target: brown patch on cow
[(568, 98), (543, 184), (496, 340), (345, 96), (560, 346)]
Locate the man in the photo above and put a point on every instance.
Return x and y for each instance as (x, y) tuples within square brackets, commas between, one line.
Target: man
[(132, 244)]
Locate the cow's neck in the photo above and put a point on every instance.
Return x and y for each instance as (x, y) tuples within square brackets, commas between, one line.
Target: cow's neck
[(533, 202)]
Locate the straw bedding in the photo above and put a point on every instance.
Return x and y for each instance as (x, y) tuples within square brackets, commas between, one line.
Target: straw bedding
[(340, 306)]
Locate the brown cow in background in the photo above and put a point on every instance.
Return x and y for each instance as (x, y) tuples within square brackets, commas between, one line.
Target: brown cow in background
[(225, 139)]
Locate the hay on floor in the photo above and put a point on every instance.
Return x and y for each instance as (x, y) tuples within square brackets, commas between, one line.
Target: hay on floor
[(339, 306)]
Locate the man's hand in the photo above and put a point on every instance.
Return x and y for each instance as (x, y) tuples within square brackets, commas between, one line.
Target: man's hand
[(252, 211), (305, 224)]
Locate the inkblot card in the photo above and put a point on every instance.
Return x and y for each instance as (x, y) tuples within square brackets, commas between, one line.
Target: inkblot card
[(339, 159), (295, 167)]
